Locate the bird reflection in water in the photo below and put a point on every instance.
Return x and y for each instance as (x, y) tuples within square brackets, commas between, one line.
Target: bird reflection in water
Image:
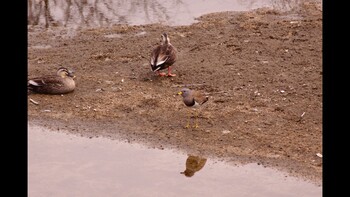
[(193, 165)]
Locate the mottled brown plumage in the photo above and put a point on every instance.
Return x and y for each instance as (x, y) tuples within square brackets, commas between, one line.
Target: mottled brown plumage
[(61, 83), (163, 56)]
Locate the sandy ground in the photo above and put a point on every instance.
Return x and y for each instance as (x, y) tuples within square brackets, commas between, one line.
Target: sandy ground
[(261, 69)]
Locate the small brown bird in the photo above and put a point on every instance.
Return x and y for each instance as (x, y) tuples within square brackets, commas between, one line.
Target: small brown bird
[(194, 99), (163, 56), (61, 83)]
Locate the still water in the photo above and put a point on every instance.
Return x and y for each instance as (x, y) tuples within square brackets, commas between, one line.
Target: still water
[(99, 13), (62, 164)]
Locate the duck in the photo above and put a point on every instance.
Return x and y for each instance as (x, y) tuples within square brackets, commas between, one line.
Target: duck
[(193, 99), (61, 83), (163, 56)]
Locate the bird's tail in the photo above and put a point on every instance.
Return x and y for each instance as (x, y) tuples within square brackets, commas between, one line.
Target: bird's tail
[(155, 68), (30, 87), (205, 99)]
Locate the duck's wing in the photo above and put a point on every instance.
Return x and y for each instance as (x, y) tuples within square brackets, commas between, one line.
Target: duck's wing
[(158, 57), (171, 54), (45, 81), (161, 55)]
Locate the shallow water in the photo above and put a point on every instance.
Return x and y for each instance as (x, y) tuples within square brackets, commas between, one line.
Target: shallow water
[(61, 164), (98, 13)]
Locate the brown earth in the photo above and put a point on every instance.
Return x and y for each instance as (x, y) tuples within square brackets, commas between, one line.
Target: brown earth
[(262, 70)]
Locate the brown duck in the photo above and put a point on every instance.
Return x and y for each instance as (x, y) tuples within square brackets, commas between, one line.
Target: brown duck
[(163, 56), (61, 83)]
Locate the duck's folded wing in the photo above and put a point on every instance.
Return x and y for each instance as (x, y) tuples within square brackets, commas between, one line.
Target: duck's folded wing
[(47, 81), (170, 53), (36, 82), (158, 56), (162, 58)]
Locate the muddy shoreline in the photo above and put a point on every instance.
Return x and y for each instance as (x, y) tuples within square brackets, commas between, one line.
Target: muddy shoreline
[(262, 70)]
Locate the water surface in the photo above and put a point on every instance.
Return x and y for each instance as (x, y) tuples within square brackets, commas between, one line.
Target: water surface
[(61, 164), (98, 13)]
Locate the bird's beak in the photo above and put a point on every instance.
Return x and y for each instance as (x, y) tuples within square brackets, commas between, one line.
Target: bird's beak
[(71, 74), (179, 93)]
